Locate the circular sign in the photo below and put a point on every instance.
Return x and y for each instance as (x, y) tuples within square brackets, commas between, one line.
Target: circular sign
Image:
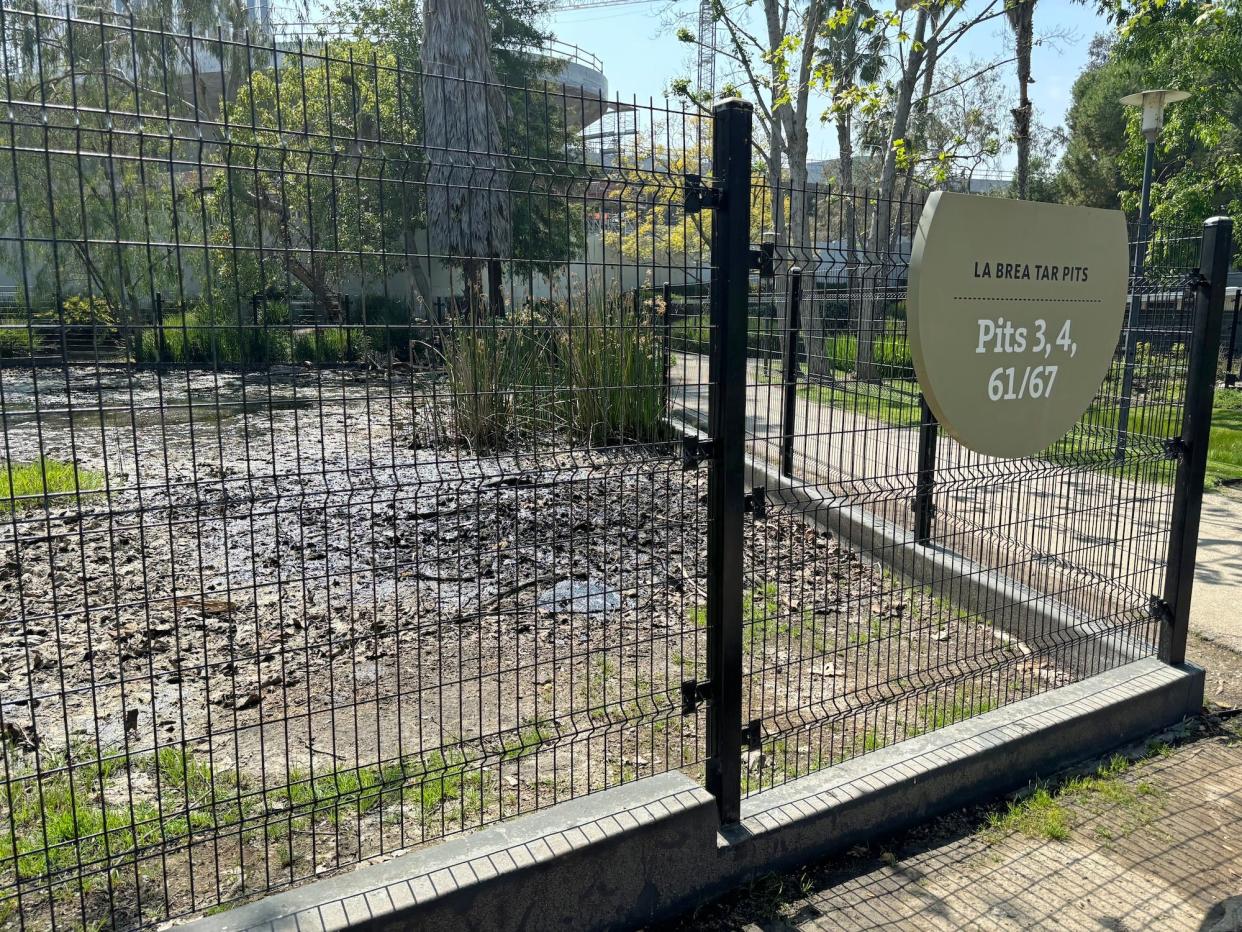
[(1014, 312)]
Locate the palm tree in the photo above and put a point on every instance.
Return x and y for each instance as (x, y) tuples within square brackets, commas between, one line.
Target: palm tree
[(468, 210), (1021, 16)]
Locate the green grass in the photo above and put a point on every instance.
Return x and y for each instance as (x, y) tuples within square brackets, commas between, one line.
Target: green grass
[(28, 485), (81, 811), (1225, 440), (895, 402), (962, 706), (1053, 813), (1157, 414)]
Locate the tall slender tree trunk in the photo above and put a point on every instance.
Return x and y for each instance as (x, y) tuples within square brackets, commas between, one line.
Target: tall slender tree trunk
[(879, 242), (1021, 15), (468, 210)]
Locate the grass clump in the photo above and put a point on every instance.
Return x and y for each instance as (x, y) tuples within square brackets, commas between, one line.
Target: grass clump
[(15, 341), (29, 485), (962, 706), (593, 371), (1040, 815), (1121, 805)]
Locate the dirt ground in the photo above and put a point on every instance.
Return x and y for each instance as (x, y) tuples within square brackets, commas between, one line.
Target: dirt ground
[(1148, 840), (302, 627)]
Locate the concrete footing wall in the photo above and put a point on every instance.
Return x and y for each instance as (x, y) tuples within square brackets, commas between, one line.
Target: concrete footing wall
[(645, 851)]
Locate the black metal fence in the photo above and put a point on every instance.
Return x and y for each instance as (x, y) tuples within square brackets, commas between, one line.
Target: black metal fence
[(383, 455)]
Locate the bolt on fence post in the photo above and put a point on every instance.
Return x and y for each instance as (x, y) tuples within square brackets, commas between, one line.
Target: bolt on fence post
[(726, 488), (789, 371), (1196, 421), (925, 484), (1230, 378)]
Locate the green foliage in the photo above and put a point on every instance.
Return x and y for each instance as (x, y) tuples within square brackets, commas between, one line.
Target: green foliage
[(1091, 169), (15, 341), (594, 370), (1189, 46), (330, 345), (214, 335), (29, 485)]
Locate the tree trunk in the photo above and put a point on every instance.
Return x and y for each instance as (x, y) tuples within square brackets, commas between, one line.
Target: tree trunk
[(873, 304), (1022, 20), (468, 211)]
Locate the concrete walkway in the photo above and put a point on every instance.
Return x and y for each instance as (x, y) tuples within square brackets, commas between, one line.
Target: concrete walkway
[(1155, 844), (1060, 531), (1216, 606)]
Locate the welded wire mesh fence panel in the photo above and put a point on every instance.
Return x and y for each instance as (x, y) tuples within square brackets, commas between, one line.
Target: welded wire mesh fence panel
[(339, 508), (1035, 572)]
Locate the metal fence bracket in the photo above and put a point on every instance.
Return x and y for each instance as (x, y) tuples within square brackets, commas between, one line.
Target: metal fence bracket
[(699, 195), (694, 694)]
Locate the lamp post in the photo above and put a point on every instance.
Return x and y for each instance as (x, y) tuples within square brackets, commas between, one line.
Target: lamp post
[(1153, 104)]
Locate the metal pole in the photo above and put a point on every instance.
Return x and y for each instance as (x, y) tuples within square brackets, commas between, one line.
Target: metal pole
[(730, 258), (789, 372), (666, 295), (1136, 300), (161, 351), (1193, 446), (1230, 378), (924, 500)]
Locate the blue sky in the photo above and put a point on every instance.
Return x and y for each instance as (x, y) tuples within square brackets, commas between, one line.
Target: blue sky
[(641, 53)]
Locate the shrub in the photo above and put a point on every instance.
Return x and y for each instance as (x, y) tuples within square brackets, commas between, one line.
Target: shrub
[(389, 323), (14, 341), (213, 336), (327, 345), (594, 371)]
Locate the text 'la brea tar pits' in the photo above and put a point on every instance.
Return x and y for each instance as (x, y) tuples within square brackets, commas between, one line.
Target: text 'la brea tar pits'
[(1031, 271)]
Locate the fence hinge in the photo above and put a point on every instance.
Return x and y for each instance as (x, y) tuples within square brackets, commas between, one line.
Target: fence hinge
[(931, 507), (757, 503), (699, 195), (1160, 609), (693, 694), (764, 259), (752, 735), (1175, 448), (693, 451)]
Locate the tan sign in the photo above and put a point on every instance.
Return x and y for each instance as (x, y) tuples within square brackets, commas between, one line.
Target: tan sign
[(1014, 310)]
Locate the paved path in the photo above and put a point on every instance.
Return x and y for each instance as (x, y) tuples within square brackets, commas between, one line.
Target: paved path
[(1158, 846), (1216, 606), (1060, 531)]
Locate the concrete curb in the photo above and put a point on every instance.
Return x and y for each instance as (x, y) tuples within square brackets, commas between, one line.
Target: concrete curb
[(648, 850)]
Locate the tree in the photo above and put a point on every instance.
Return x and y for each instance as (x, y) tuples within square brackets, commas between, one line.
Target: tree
[(468, 214), (853, 61), (317, 186), (1021, 17), (1091, 170), (91, 219), (1195, 47)]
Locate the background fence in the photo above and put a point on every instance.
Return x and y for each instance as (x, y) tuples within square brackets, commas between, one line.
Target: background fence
[(348, 501)]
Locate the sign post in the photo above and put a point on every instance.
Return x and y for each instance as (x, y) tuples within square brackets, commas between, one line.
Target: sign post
[(1015, 309)]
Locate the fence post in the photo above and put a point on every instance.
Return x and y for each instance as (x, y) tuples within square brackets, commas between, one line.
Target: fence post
[(730, 286), (789, 370), (1230, 378), (1192, 446), (666, 296), (160, 352), (925, 484)]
